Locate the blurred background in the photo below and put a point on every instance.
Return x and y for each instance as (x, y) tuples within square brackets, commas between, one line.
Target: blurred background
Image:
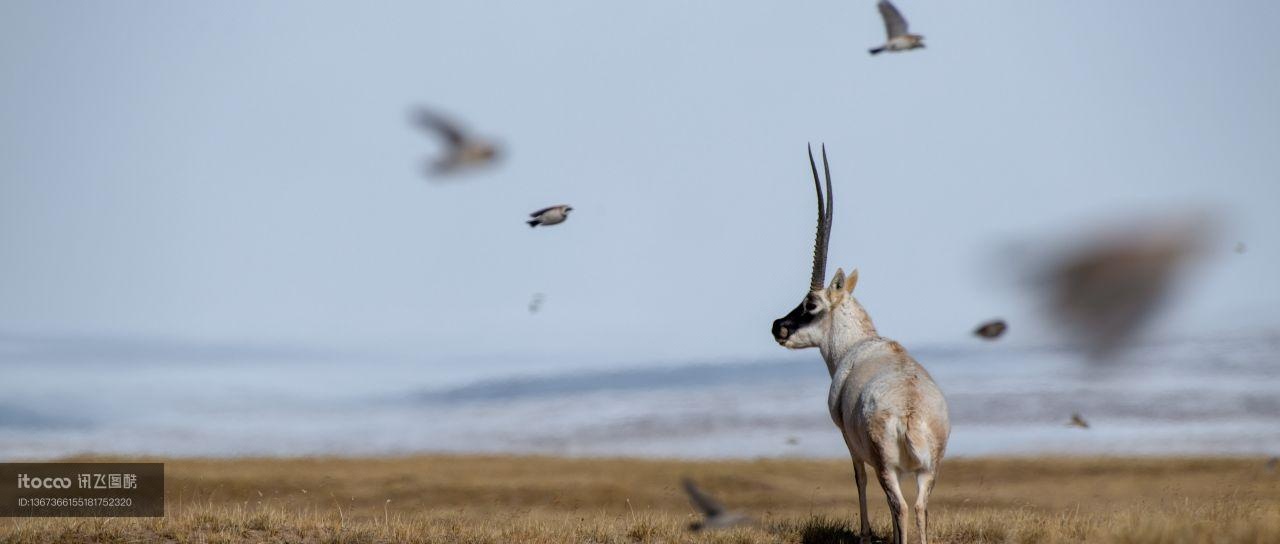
[(216, 237)]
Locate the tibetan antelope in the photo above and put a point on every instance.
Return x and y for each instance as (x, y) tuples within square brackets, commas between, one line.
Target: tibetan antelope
[(893, 417)]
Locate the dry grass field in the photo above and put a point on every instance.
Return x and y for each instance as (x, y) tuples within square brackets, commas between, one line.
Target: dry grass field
[(554, 500)]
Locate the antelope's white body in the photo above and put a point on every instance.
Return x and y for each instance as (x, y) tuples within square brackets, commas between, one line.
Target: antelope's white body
[(888, 407)]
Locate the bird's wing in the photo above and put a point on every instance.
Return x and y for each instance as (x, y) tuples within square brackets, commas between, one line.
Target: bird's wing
[(545, 210), (430, 121), (702, 501), (894, 24)]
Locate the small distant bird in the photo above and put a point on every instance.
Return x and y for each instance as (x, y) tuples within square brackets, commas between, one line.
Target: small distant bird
[(895, 26), (792, 441), (1241, 248), (991, 329), (462, 150), (553, 215), (535, 303), (715, 516), (1272, 463), (1078, 421)]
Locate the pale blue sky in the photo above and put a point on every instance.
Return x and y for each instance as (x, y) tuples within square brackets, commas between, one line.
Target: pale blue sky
[(245, 172)]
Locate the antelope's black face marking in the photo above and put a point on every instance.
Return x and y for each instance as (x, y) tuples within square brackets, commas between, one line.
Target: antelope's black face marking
[(799, 318)]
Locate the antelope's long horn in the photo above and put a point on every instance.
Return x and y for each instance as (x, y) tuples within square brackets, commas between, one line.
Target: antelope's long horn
[(823, 235)]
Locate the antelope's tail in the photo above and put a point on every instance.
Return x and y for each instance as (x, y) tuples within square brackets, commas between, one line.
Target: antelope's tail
[(919, 443)]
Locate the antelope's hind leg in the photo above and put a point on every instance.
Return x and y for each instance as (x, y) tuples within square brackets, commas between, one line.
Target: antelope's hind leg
[(860, 474), (888, 476), (924, 486)]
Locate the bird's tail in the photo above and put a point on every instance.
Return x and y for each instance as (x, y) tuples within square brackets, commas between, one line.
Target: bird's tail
[(876, 51), (532, 223)]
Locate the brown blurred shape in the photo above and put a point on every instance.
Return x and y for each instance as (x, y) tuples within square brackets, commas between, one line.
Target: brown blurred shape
[(714, 514), (1105, 288), (462, 149), (991, 329)]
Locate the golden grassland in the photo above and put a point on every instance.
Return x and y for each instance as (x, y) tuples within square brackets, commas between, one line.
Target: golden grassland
[(506, 499)]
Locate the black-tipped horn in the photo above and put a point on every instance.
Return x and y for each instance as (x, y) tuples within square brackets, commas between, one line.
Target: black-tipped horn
[(831, 199), (823, 235)]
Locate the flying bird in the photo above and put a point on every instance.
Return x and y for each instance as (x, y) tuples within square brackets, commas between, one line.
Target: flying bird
[(1241, 248), (535, 303), (1078, 421), (553, 215), (1104, 288), (991, 329), (462, 150), (714, 514), (895, 26)]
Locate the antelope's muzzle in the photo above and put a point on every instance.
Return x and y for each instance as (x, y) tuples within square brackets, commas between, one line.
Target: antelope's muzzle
[(780, 330), (787, 325)]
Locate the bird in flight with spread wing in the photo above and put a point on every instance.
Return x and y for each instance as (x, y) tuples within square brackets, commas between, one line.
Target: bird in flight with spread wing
[(462, 150), (714, 514), (895, 26)]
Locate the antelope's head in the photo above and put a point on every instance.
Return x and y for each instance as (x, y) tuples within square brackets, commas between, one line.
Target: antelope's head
[(810, 322)]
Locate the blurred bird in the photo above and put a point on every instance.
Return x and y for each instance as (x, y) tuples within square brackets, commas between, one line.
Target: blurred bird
[(1241, 248), (553, 215), (715, 516), (1105, 288), (535, 303), (991, 329), (461, 149), (1272, 463), (792, 441), (1078, 421), (895, 26)]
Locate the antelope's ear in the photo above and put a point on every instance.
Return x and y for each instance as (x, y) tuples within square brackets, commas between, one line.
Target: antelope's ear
[(837, 281), (851, 281)]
